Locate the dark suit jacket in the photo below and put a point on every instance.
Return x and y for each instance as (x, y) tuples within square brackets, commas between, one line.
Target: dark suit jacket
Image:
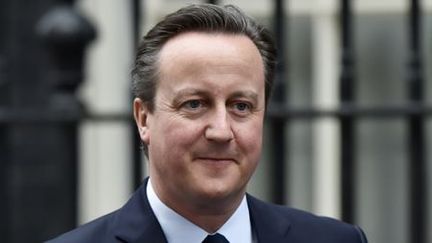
[(136, 222)]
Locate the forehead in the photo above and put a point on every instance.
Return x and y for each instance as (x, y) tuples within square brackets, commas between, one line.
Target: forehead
[(207, 41), (194, 53)]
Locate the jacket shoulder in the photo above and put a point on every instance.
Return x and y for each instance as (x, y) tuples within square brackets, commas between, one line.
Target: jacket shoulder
[(305, 226), (98, 230)]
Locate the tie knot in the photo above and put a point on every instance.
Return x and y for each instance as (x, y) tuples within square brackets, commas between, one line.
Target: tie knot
[(216, 238)]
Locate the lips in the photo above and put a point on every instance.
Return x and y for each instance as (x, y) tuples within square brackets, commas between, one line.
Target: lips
[(213, 155), (216, 159), (215, 164)]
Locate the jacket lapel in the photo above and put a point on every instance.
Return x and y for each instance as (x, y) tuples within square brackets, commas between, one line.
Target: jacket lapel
[(267, 221), (136, 222)]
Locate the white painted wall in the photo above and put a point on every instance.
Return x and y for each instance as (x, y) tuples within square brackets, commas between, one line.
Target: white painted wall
[(105, 158)]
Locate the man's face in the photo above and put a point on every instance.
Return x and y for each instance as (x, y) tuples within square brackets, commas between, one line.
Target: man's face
[(204, 136)]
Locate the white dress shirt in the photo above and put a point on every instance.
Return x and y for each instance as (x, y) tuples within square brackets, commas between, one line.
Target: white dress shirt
[(178, 229)]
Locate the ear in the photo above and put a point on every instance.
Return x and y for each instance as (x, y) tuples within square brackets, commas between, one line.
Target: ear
[(141, 113)]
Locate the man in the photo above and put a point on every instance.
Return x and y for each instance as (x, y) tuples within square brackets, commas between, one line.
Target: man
[(202, 81)]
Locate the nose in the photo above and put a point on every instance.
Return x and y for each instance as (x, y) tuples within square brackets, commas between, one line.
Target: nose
[(219, 127)]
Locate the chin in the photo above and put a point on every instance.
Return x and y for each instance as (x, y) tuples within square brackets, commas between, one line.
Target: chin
[(220, 190)]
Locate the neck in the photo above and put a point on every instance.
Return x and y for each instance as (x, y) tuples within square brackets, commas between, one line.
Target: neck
[(209, 214)]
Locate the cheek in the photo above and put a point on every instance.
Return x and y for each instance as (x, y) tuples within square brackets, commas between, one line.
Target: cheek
[(170, 142), (250, 139), (179, 136)]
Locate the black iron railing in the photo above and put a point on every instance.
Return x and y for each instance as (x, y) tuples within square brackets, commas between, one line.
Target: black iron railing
[(17, 117)]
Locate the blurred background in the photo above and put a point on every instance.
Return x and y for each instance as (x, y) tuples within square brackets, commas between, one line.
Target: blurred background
[(348, 131)]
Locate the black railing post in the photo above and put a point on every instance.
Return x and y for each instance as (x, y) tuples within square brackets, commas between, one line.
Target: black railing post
[(65, 34), (137, 163), (38, 118), (417, 166), (346, 121), (215, 2), (278, 126), (4, 100)]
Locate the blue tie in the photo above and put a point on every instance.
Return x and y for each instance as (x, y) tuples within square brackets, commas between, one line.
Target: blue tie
[(216, 238)]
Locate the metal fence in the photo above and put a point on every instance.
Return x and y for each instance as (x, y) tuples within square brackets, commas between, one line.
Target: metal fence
[(41, 67), (415, 112)]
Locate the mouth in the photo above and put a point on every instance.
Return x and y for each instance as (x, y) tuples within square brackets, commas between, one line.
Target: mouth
[(216, 161)]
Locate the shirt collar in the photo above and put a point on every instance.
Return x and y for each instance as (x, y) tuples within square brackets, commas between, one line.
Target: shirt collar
[(178, 229)]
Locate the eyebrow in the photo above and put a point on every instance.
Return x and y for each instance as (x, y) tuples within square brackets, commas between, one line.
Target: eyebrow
[(248, 94), (189, 92), (238, 94)]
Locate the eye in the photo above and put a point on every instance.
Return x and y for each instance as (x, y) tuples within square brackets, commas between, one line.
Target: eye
[(192, 104), (241, 106)]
